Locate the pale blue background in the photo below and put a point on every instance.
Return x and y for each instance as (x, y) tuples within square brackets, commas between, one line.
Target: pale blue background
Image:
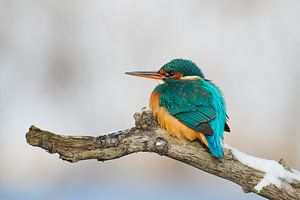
[(62, 67)]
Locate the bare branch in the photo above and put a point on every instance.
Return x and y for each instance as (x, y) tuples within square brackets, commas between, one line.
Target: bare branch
[(147, 136)]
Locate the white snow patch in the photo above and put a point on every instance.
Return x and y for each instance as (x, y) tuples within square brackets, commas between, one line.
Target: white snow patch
[(275, 173)]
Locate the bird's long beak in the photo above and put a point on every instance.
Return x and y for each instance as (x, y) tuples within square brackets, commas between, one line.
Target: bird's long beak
[(145, 74)]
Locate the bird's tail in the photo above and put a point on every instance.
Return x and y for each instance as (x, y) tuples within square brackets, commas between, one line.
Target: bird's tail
[(214, 145)]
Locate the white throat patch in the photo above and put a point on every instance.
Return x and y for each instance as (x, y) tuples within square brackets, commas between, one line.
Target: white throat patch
[(190, 78), (161, 82), (182, 78)]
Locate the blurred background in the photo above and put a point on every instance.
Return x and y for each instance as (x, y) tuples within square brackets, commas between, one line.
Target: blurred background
[(62, 67)]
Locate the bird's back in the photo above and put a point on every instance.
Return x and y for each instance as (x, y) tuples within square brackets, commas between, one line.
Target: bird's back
[(191, 110)]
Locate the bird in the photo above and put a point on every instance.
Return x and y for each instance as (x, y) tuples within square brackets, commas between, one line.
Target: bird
[(187, 105)]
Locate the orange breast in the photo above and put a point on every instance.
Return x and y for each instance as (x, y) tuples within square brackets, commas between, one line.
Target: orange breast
[(173, 126)]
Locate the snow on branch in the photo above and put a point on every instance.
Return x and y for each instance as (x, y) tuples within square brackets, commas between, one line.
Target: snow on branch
[(267, 178), (276, 173)]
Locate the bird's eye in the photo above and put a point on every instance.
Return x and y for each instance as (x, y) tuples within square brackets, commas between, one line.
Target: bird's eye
[(169, 73)]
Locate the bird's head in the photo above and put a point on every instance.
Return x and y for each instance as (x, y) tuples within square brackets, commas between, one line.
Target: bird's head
[(177, 69)]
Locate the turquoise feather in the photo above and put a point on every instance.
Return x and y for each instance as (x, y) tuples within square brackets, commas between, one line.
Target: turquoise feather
[(218, 103)]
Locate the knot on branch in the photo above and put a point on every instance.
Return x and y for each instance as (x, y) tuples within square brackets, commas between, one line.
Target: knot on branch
[(161, 146), (145, 120)]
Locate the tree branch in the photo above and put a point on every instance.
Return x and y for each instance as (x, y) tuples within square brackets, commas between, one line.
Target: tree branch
[(147, 136)]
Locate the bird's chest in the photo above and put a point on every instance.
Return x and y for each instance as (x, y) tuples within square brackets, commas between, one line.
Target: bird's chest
[(154, 103), (173, 126)]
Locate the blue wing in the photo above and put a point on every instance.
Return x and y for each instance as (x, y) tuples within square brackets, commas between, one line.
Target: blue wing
[(190, 103)]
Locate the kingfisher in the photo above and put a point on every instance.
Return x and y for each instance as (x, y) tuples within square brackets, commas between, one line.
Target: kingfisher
[(187, 105)]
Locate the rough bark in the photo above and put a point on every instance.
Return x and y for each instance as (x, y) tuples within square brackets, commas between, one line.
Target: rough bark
[(147, 136)]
